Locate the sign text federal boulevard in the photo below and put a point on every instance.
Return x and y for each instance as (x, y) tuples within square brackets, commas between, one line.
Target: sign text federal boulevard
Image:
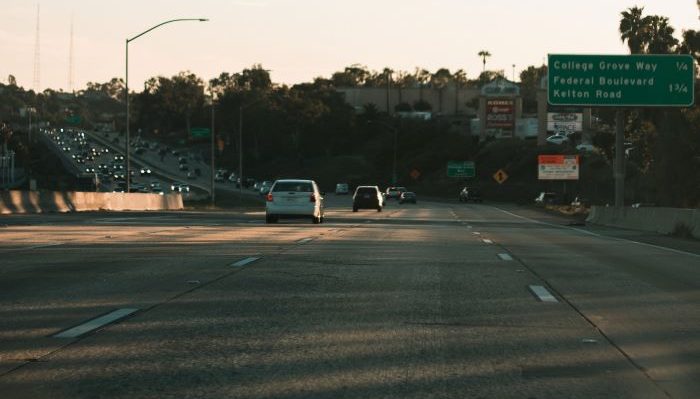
[(621, 80)]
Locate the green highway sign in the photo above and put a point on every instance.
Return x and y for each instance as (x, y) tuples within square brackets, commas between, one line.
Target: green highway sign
[(73, 119), (652, 80), (200, 132), (461, 169)]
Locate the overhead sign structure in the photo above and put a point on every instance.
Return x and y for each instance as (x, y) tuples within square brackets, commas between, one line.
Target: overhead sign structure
[(461, 169), (74, 119), (652, 80), (558, 167)]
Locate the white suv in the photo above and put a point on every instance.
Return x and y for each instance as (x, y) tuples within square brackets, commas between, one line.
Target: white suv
[(292, 198)]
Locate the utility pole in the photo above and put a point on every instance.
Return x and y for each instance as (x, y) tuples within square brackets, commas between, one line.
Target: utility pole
[(213, 156), (37, 57)]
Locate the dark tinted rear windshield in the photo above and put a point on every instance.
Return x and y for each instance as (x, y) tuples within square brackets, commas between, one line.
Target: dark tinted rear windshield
[(293, 186), (367, 190)]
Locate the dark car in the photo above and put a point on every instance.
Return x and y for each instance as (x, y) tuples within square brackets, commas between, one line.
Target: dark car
[(394, 192), (367, 197), (408, 196), (470, 194)]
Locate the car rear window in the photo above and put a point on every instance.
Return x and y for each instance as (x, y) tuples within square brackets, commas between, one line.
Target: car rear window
[(367, 190), (293, 186)]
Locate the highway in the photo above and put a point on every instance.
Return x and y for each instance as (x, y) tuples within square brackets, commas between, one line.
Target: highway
[(434, 300)]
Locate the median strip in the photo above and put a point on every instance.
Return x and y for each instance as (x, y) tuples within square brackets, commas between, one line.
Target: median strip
[(542, 294), (245, 261), (96, 323)]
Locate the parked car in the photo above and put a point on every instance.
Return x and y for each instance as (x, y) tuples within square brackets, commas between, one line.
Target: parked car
[(294, 198), (557, 139), (342, 189), (586, 148), (580, 202), (367, 197), (546, 198), (470, 194), (408, 196)]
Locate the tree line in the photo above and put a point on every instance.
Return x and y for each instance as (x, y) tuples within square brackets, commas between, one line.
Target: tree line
[(292, 130)]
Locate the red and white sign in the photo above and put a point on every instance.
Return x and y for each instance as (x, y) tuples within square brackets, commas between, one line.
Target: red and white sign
[(500, 114), (557, 167)]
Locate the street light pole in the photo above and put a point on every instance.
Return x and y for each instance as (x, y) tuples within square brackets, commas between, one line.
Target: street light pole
[(126, 86), (213, 167), (395, 150), (240, 151)]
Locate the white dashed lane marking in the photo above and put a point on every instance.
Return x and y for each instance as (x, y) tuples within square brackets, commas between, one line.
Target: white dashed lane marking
[(505, 257), (245, 261), (96, 323), (542, 294)]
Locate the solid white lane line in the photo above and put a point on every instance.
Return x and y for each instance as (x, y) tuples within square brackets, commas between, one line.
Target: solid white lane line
[(487, 241), (96, 323), (542, 294), (245, 261), (304, 240), (33, 247), (505, 257)]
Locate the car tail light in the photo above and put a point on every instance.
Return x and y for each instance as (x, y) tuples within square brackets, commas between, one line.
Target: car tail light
[(312, 198), (269, 197)]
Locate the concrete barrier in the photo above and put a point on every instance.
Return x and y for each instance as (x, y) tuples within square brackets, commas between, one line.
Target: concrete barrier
[(53, 201), (654, 219)]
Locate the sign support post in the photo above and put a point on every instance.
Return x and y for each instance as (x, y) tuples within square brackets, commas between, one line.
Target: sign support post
[(619, 169)]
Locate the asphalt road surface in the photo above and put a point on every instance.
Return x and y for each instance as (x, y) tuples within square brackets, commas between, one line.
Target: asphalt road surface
[(419, 301)]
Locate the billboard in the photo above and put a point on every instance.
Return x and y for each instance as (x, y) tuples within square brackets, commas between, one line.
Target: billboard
[(557, 167), (564, 122), (500, 114)]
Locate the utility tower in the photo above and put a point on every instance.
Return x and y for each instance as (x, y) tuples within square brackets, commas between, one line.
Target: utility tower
[(37, 57)]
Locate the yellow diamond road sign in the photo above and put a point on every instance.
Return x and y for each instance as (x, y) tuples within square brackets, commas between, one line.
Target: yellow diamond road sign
[(500, 176)]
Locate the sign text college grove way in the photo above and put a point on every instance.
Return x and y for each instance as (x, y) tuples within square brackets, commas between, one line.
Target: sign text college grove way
[(621, 80)]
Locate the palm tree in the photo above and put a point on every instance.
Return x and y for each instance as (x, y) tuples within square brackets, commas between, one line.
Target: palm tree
[(440, 80), (634, 28), (661, 40), (483, 54), (460, 80)]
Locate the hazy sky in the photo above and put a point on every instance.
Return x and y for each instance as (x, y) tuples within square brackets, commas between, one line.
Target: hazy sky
[(302, 39)]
